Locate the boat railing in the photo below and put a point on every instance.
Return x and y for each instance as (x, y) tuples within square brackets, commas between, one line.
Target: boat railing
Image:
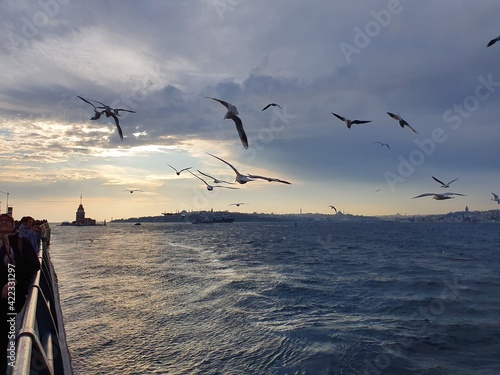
[(41, 346)]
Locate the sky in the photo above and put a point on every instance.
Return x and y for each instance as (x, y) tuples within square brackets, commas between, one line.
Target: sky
[(424, 60)]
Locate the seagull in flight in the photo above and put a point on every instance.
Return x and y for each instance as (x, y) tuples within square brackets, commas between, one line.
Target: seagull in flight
[(243, 179), (443, 185), (232, 113), (216, 180), (179, 172), (210, 187), (333, 208), (493, 41), (348, 122), (132, 190), (402, 122), (108, 111), (271, 105), (437, 196), (495, 198), (382, 144), (237, 204)]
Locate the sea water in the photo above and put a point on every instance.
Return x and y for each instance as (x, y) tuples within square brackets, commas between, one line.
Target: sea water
[(281, 298)]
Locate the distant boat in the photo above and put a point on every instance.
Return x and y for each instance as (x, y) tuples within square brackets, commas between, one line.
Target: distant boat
[(211, 218), (137, 224)]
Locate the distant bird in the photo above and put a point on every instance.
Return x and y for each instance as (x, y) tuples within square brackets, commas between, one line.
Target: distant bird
[(179, 172), (348, 122), (237, 204), (437, 196), (132, 190), (271, 105), (495, 198), (376, 191), (216, 180), (232, 113), (402, 122), (333, 208), (493, 41), (443, 185), (210, 187), (243, 179), (383, 144)]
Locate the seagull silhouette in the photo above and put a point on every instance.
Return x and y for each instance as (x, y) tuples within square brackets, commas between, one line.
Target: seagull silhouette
[(333, 208), (493, 41), (271, 105), (437, 196), (243, 179), (348, 122), (402, 122), (237, 204), (108, 111), (495, 198), (443, 185), (179, 172), (232, 113), (132, 190), (382, 144), (210, 187), (216, 180)]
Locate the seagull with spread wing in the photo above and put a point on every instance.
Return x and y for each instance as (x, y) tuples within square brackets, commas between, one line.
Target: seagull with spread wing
[(402, 122), (132, 190), (443, 185), (232, 113), (216, 180), (243, 179), (348, 122), (271, 105), (495, 198), (179, 172), (437, 196), (382, 144), (210, 187)]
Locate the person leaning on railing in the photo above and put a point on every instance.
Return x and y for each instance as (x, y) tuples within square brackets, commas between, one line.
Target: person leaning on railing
[(18, 264)]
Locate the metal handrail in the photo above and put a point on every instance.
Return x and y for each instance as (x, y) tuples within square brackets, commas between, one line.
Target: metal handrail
[(41, 346)]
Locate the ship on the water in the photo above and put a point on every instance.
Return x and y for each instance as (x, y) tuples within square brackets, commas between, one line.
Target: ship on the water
[(213, 217)]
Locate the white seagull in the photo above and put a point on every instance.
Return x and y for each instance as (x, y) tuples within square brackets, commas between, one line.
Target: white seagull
[(132, 190), (271, 105), (179, 172), (210, 187), (216, 180), (495, 198), (443, 185), (493, 41), (232, 113), (438, 197), (402, 122), (243, 179), (348, 122)]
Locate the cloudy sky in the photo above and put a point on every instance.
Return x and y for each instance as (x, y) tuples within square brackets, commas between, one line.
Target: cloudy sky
[(426, 60)]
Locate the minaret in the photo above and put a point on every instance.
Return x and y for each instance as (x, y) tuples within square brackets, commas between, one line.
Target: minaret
[(80, 213)]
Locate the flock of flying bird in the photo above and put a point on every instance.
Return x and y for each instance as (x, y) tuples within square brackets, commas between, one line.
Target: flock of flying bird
[(233, 114)]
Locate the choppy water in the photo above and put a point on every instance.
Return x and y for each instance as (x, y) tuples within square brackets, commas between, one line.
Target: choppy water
[(259, 298)]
